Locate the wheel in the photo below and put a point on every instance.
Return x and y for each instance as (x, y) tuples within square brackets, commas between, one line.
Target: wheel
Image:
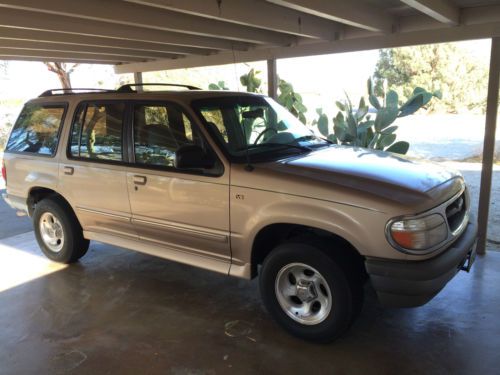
[(308, 293), (58, 231)]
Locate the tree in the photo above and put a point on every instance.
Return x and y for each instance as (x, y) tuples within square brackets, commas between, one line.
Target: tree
[(460, 77), (3, 68), (63, 72)]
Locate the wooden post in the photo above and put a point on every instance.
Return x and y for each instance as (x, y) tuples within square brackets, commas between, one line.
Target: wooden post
[(138, 80), (489, 145), (272, 79)]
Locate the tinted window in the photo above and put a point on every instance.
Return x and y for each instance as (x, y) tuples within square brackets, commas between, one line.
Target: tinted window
[(37, 129), (97, 132), (255, 127), (159, 130)]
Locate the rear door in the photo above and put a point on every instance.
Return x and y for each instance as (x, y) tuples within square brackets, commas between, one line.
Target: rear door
[(185, 211), (92, 173)]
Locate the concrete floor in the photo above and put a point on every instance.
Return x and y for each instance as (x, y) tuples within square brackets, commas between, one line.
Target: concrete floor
[(120, 312)]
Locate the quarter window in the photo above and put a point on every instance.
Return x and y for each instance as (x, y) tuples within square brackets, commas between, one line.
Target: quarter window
[(97, 132), (159, 131), (37, 129)]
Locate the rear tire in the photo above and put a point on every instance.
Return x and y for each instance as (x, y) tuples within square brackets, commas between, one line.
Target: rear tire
[(308, 293), (58, 231)]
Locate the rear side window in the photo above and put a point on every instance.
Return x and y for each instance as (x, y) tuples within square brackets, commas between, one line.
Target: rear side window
[(97, 132), (37, 129)]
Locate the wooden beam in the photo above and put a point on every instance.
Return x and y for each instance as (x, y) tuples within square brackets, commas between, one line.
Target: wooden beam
[(129, 14), (446, 34), (441, 10), (489, 145), (97, 41), (272, 79), (53, 55), (48, 22), (255, 13), (49, 46), (353, 12), (38, 59), (138, 80)]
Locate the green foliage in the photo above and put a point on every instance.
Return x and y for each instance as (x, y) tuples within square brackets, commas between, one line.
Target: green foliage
[(251, 81), (355, 126), (291, 100), (287, 96), (221, 85), (445, 67)]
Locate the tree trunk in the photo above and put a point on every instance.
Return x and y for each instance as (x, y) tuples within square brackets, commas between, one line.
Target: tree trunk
[(63, 72)]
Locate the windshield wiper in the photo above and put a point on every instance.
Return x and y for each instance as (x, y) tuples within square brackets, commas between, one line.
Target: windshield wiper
[(281, 145), (311, 137)]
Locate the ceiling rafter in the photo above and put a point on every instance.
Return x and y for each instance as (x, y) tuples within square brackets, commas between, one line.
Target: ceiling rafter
[(35, 21), (255, 13), (353, 12), (57, 59), (477, 23), (70, 56), (98, 41), (441, 10), (49, 46), (129, 14)]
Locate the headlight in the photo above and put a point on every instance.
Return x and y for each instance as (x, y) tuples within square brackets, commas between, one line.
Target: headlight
[(418, 234)]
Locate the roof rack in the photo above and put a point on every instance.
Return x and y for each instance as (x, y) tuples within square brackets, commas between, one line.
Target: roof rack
[(71, 91), (128, 87)]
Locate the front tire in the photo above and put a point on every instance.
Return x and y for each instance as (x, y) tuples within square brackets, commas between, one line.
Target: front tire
[(58, 231), (307, 292)]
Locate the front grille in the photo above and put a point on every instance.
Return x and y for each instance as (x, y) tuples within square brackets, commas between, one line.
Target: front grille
[(455, 213)]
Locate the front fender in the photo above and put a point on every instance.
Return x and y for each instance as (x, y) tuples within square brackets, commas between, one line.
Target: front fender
[(359, 226)]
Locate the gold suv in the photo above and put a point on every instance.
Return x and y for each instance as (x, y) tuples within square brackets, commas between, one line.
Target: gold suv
[(233, 183)]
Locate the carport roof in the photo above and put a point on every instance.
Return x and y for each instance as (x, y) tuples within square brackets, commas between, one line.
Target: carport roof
[(145, 35)]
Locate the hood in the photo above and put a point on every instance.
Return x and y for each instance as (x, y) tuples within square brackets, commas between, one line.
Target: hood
[(383, 167), (356, 175)]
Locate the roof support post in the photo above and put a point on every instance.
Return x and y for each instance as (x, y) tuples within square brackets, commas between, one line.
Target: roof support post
[(489, 145), (138, 80), (272, 79)]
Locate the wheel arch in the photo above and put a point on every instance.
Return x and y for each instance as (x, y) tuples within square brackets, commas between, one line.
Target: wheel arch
[(270, 236), (38, 193)]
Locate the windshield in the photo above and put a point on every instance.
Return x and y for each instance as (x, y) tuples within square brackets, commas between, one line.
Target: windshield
[(257, 126)]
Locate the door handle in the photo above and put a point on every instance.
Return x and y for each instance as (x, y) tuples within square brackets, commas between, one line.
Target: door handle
[(140, 180), (69, 170)]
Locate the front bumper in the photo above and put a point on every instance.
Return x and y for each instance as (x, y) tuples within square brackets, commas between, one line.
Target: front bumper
[(410, 284)]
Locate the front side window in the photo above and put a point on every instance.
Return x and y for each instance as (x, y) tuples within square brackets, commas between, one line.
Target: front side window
[(37, 129), (255, 127), (97, 132), (159, 131)]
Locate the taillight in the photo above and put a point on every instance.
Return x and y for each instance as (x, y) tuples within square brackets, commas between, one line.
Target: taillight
[(4, 172)]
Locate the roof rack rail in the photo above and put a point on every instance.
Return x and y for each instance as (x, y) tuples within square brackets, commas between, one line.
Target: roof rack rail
[(128, 87), (71, 91)]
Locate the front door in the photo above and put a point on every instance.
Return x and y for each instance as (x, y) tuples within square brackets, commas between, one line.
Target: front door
[(184, 211)]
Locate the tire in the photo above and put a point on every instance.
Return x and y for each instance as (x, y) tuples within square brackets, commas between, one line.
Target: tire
[(294, 262), (58, 231)]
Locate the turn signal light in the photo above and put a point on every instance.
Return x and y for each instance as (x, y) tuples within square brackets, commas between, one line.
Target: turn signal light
[(419, 234)]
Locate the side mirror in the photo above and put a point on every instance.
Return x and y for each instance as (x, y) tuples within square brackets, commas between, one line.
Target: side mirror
[(193, 157)]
